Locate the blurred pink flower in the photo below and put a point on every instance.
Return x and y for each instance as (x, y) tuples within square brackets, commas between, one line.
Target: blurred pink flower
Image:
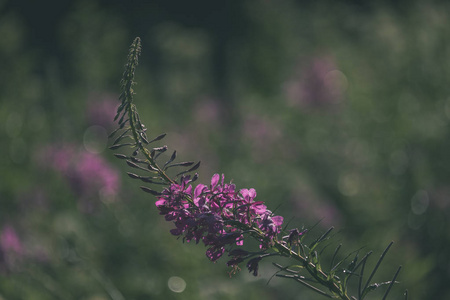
[(317, 83), (208, 111), (263, 135), (313, 207), (88, 174), (93, 172), (101, 109), (11, 250), (9, 241)]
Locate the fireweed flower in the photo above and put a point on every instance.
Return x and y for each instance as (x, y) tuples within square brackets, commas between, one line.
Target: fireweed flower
[(101, 112), (218, 214), (11, 249), (88, 174), (318, 83), (9, 240)]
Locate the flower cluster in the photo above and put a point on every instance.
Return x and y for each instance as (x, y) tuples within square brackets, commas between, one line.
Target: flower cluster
[(221, 216), (217, 214)]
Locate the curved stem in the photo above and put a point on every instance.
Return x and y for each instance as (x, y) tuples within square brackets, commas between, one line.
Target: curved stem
[(142, 149), (127, 104)]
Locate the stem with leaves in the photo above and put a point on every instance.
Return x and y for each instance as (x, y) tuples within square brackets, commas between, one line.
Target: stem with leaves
[(222, 216)]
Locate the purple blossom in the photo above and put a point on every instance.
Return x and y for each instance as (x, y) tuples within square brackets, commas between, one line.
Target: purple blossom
[(294, 235), (208, 111), (11, 250), (88, 174), (217, 215), (253, 265), (101, 110), (9, 240), (318, 83), (262, 134), (270, 225)]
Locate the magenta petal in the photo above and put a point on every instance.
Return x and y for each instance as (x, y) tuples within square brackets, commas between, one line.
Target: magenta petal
[(161, 202), (260, 208), (278, 220), (198, 190), (215, 180), (189, 190)]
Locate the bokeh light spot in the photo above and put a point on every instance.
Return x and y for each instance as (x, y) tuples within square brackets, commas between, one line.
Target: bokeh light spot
[(420, 202), (13, 124), (18, 150), (416, 221), (398, 162), (336, 81), (176, 284), (95, 139), (348, 184)]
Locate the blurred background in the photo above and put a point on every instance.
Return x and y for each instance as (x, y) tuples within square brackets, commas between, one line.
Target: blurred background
[(333, 112)]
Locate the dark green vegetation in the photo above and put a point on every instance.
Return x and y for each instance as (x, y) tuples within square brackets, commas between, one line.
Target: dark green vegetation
[(332, 112)]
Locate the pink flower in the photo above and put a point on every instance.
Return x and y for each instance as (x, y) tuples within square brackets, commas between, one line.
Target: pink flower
[(11, 251), (317, 83), (101, 110), (88, 174), (9, 240), (213, 214)]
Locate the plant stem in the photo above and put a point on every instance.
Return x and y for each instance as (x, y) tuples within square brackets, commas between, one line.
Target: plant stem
[(312, 269)]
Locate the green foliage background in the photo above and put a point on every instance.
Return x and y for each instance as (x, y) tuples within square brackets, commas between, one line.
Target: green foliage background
[(371, 159)]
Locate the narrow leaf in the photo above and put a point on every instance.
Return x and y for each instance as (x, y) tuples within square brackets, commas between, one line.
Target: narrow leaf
[(124, 123), (392, 283), (194, 167), (122, 117), (190, 170), (313, 288), (160, 150), (334, 256), (363, 260), (144, 137), (158, 138), (321, 238), (113, 133), (134, 176), (377, 265), (149, 180), (182, 164), (120, 136), (150, 191), (152, 168), (360, 290), (133, 165), (285, 268), (195, 177), (114, 147), (138, 160), (172, 158), (120, 156)]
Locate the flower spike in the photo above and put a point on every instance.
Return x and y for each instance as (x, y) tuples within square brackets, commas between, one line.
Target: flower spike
[(223, 217)]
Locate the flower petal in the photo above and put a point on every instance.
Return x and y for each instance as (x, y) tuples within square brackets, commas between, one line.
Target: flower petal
[(214, 180)]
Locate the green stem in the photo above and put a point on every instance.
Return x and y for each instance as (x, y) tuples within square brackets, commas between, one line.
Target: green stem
[(312, 269), (142, 149), (127, 93)]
